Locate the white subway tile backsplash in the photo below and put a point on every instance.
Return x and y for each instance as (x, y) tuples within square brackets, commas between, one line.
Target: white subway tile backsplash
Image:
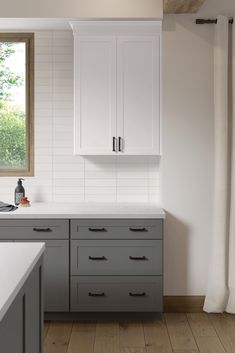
[(100, 182), (100, 198), (43, 42), (68, 159), (132, 198), (43, 58), (132, 190), (69, 190), (100, 190), (100, 174), (68, 198), (71, 182), (133, 182), (68, 174), (100, 167), (43, 50), (58, 167), (63, 151), (60, 176)]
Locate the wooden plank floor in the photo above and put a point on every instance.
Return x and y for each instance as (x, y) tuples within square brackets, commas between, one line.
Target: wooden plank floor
[(175, 333)]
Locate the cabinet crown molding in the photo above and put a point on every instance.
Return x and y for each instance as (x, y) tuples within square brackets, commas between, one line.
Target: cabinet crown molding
[(112, 28)]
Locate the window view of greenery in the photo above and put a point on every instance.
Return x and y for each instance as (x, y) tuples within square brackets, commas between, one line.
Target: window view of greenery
[(12, 105)]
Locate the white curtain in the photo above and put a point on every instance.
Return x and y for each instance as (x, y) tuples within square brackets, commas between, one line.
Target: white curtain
[(221, 282)]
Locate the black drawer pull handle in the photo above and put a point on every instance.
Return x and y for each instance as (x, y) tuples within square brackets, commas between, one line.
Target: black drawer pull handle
[(97, 258), (96, 294), (138, 258), (119, 144), (114, 144), (45, 230), (97, 229), (137, 294), (138, 229)]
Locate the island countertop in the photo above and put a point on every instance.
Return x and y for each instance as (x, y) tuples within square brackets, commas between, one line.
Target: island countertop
[(86, 210), (16, 263)]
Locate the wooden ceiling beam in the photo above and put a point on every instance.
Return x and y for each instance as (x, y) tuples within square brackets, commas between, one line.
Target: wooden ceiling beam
[(182, 6)]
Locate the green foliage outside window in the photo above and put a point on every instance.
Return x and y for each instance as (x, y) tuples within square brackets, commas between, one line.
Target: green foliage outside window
[(12, 117)]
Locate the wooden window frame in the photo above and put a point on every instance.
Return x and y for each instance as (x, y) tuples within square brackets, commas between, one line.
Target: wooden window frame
[(27, 38)]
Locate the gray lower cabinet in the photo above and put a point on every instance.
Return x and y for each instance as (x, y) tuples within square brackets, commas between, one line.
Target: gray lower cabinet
[(116, 265), (116, 257), (56, 276), (22, 326), (116, 229), (97, 264), (116, 293), (34, 229), (55, 235)]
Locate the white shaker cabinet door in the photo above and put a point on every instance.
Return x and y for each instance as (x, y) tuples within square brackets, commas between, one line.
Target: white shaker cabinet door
[(95, 95), (138, 94)]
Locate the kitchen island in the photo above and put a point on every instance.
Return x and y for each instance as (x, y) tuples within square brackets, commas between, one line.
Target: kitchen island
[(21, 315)]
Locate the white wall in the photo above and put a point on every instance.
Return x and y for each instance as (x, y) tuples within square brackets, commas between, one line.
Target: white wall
[(59, 175), (83, 8), (187, 168), (187, 153)]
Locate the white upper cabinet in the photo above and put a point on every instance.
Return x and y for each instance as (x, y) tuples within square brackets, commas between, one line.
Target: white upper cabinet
[(95, 95), (117, 87), (138, 94)]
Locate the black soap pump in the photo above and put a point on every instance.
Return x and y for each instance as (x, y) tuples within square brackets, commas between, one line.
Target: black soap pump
[(19, 192)]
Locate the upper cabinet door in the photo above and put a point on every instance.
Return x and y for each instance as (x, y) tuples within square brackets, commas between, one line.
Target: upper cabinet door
[(95, 94), (138, 94)]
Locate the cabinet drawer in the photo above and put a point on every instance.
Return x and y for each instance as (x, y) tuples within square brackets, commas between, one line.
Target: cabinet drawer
[(34, 229), (114, 257), (116, 294), (117, 229)]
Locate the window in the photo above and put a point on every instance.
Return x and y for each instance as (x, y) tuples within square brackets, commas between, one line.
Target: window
[(16, 104)]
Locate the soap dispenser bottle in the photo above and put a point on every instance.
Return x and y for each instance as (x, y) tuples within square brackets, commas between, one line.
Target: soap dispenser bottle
[(19, 192)]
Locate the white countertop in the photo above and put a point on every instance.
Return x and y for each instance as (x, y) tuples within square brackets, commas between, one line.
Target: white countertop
[(16, 263), (87, 210)]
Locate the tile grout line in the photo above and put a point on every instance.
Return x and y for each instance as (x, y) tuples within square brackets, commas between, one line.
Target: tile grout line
[(84, 179), (53, 117), (116, 177), (148, 173)]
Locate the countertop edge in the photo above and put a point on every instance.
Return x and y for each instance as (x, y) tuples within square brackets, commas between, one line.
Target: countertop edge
[(87, 210), (81, 216)]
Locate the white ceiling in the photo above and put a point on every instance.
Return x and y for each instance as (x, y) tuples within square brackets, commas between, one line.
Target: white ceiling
[(211, 8)]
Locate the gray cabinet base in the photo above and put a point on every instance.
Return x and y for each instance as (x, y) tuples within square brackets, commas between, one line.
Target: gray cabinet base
[(21, 328), (103, 316)]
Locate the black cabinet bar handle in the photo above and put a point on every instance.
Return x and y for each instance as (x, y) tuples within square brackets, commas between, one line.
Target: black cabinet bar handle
[(137, 294), (96, 294), (138, 229), (42, 230), (119, 144), (138, 258), (97, 229), (97, 258), (114, 144)]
